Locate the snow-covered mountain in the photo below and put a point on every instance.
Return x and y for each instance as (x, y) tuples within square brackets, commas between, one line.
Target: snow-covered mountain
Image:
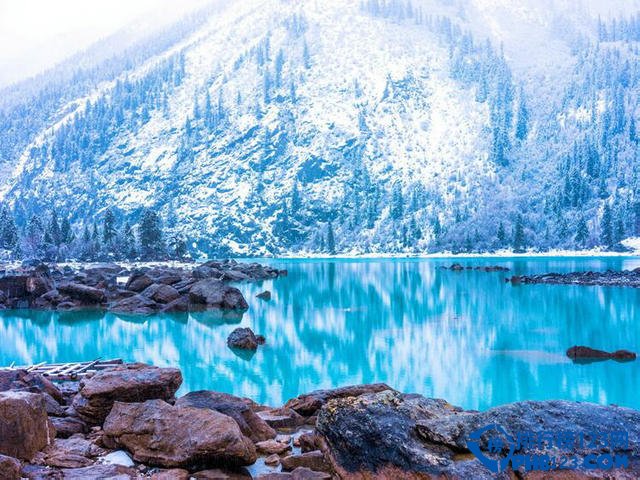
[(374, 126)]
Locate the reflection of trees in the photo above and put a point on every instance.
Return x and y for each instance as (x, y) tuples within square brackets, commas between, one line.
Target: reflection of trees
[(466, 337)]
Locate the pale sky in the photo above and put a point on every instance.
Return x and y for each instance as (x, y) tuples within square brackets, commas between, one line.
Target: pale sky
[(36, 34)]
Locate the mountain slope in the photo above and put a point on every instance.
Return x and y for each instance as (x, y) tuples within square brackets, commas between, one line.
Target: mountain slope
[(398, 127)]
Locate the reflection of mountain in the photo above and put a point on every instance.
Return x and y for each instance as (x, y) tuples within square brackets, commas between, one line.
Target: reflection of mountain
[(460, 336)]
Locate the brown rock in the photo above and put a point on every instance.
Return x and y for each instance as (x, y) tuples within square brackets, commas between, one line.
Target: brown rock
[(302, 473), (237, 408), (272, 460), (72, 452), (161, 293), (217, 474), (10, 468), (136, 305), (243, 338), (160, 434), (67, 426), (127, 383), (313, 460), (178, 305), (309, 404), (269, 447), (100, 472), (215, 293), (24, 426), (308, 442), (38, 285), (23, 380), (172, 474), (83, 293), (282, 418), (138, 281)]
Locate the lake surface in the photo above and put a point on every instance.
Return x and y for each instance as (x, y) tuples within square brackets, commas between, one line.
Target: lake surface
[(468, 337)]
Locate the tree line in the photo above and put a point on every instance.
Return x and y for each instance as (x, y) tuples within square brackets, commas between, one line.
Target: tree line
[(55, 238)]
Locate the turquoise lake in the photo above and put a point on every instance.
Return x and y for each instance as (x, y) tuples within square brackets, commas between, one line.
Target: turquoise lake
[(468, 337)]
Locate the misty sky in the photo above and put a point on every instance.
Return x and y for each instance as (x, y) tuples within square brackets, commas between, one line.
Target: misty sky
[(36, 34)]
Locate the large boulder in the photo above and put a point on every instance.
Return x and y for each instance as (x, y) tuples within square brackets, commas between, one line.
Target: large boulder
[(160, 434), (128, 383), (214, 293), (24, 426), (308, 404), (411, 435), (84, 293), (251, 425)]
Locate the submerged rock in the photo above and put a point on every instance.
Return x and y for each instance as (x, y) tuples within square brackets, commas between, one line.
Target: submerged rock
[(159, 434), (128, 383)]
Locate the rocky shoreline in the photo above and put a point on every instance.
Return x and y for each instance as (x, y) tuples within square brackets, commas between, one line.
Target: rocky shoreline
[(141, 291), (127, 423), (609, 278)]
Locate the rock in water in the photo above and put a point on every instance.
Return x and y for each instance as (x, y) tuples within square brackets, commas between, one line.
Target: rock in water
[(251, 425), (129, 383), (159, 434), (586, 354), (244, 338), (215, 293), (266, 295), (24, 426)]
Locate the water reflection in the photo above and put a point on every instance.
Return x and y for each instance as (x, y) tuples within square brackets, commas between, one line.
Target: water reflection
[(468, 337)]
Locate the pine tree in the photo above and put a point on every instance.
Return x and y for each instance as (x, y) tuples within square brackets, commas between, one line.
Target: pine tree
[(109, 227), (607, 227), (502, 235), (151, 239), (129, 242), (66, 234), (178, 247), (582, 233), (518, 235), (8, 229), (53, 231), (331, 241), (397, 202), (522, 123)]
